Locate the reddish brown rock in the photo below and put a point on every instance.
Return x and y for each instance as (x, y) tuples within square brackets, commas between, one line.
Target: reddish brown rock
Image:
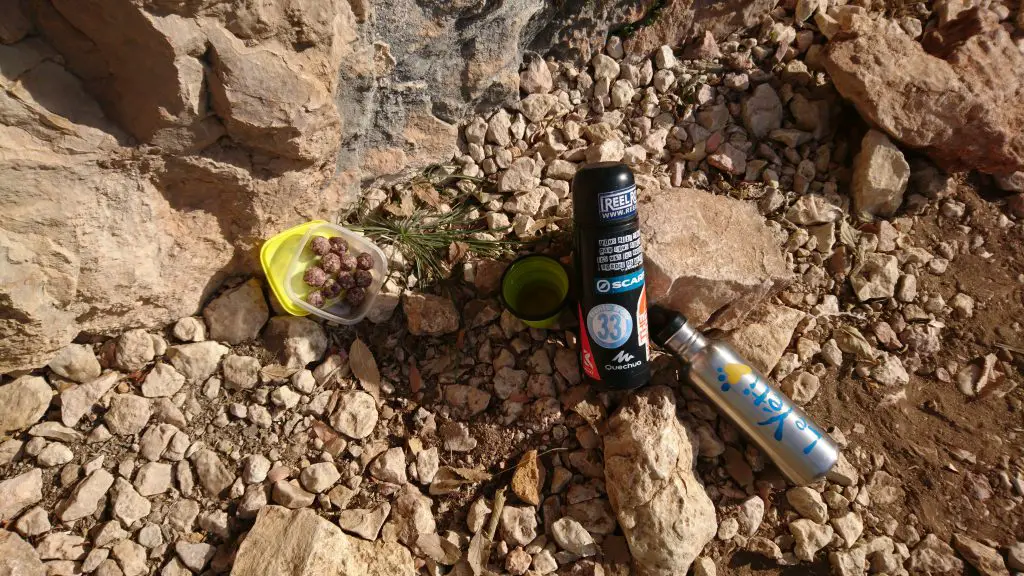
[(964, 110)]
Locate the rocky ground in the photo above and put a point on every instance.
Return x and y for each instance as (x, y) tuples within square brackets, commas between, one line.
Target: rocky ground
[(875, 273)]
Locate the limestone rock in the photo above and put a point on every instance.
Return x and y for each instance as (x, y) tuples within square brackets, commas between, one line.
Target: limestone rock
[(923, 100), (127, 505), (571, 536), (390, 466), (810, 537), (300, 543), (197, 361), (685, 232), (880, 176), (86, 496), (162, 381), (236, 315), (875, 276), (649, 474), (290, 495), (364, 523), (762, 111), (356, 415), (429, 315), (240, 372), (23, 402), (296, 341), (319, 477), (128, 414), (932, 555), (808, 503), (765, 335), (213, 474), (76, 362), (518, 525), (77, 401), (986, 560), (190, 329), (133, 350), (20, 492), (19, 558), (411, 517)]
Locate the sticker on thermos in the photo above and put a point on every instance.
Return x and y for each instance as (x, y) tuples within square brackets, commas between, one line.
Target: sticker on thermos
[(617, 204)]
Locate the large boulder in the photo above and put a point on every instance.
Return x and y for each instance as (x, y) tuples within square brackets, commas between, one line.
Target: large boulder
[(300, 543), (709, 256), (960, 103), (649, 462)]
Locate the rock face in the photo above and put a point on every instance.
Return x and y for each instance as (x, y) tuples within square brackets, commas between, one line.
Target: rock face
[(300, 543), (663, 510), (962, 109), (254, 118), (708, 255)]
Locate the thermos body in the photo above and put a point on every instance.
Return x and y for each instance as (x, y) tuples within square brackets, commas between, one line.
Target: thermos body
[(801, 451), (614, 334)]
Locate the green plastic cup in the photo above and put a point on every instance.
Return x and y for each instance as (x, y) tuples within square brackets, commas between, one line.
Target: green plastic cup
[(535, 288)]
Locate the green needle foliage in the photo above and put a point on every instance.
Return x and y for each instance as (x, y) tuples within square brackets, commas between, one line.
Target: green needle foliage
[(435, 241)]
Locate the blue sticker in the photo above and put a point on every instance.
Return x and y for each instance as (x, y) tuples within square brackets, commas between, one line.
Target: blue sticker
[(617, 204), (619, 284), (609, 325)]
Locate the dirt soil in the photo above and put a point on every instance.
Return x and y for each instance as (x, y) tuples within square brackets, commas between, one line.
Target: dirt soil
[(947, 492)]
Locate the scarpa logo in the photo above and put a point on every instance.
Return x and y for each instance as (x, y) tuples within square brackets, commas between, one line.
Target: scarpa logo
[(619, 284)]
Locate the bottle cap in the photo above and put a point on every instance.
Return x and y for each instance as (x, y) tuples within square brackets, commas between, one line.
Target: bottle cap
[(664, 323), (603, 194)]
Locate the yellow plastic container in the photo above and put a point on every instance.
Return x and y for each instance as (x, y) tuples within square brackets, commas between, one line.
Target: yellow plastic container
[(286, 256)]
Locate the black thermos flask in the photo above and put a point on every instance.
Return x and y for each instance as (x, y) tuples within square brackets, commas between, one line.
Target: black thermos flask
[(609, 260)]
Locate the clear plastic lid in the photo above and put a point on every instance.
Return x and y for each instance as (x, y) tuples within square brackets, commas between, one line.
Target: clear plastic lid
[(334, 309)]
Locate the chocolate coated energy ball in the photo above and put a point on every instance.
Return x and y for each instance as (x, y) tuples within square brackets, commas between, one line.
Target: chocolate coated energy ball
[(320, 246), (346, 280), (348, 262), (355, 296), (331, 263), (315, 276), (338, 245), (315, 298), (363, 278), (364, 261)]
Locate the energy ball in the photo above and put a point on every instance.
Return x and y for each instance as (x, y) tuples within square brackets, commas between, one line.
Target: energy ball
[(346, 280), (321, 246), (315, 298), (348, 262), (315, 276), (364, 261), (338, 245), (363, 278), (331, 263), (355, 296), (331, 289)]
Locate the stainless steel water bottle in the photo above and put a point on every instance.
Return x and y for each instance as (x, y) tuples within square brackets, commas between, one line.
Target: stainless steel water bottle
[(780, 429), (610, 277)]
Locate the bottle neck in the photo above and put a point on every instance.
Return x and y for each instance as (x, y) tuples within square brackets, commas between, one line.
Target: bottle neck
[(687, 342)]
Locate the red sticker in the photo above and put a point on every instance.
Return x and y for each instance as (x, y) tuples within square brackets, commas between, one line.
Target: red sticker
[(588, 357), (643, 337)]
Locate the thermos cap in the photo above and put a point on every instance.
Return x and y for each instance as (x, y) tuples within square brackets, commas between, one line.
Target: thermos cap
[(603, 194), (664, 324)]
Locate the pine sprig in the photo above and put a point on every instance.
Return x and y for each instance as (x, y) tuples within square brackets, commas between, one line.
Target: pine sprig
[(425, 238)]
